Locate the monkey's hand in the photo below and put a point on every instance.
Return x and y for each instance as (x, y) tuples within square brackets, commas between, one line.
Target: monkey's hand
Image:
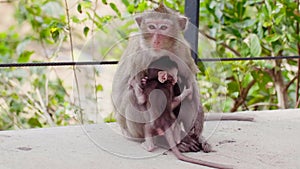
[(178, 99), (144, 80), (138, 91), (141, 99), (190, 96), (186, 92), (131, 83)]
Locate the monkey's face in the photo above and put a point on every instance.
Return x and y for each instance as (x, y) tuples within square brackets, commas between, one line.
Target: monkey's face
[(158, 33), (162, 76)]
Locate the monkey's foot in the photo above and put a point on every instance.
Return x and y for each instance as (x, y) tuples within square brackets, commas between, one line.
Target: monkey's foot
[(194, 144), (149, 146), (205, 146), (188, 144)]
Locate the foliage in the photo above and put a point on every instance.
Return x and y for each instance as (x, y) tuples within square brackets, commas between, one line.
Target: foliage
[(254, 29), (110, 118), (30, 97)]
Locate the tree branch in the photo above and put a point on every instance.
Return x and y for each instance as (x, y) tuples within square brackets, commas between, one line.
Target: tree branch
[(154, 2), (73, 59), (44, 109), (298, 103), (263, 104), (290, 83), (267, 70), (94, 71), (242, 97), (223, 44)]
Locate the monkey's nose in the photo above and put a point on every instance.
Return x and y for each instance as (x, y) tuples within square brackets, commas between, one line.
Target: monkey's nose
[(156, 44)]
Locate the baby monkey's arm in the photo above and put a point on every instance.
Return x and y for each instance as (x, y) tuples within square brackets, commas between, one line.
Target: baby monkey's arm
[(178, 99)]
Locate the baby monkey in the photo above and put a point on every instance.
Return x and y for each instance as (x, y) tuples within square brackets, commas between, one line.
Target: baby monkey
[(161, 74), (154, 89)]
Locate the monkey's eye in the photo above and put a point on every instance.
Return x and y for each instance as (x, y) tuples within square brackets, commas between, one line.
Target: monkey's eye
[(164, 27), (151, 27)]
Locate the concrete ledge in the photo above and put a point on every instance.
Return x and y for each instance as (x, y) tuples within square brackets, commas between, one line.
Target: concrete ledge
[(272, 141)]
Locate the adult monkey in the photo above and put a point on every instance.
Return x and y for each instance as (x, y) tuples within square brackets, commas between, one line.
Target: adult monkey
[(160, 34)]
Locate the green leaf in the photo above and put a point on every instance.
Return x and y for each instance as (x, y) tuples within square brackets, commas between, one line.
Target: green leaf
[(142, 6), (273, 38), (34, 122), (260, 30), (293, 37), (86, 30), (292, 62), (233, 31), (86, 4), (244, 49), (125, 2), (110, 118), (16, 106), (99, 88), (25, 56), (240, 9), (277, 48), (130, 8), (232, 87), (279, 19), (104, 2), (79, 8), (201, 67), (54, 34), (262, 78), (75, 19), (246, 80), (254, 44), (114, 7), (269, 8), (267, 24), (246, 23)]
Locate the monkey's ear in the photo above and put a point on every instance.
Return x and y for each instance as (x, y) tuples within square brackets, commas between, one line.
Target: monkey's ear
[(183, 22), (138, 20)]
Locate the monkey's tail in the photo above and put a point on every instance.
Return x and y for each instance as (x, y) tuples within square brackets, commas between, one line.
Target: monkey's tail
[(182, 157), (170, 138)]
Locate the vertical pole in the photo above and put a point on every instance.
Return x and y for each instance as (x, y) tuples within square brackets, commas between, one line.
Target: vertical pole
[(191, 34)]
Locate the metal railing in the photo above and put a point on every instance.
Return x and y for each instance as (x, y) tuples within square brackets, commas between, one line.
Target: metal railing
[(191, 35)]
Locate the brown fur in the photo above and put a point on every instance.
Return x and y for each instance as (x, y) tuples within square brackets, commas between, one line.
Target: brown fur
[(136, 57), (165, 124)]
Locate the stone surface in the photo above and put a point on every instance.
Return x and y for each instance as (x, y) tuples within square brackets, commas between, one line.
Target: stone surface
[(272, 141)]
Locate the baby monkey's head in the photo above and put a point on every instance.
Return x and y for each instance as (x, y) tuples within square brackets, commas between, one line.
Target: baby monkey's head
[(164, 69)]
